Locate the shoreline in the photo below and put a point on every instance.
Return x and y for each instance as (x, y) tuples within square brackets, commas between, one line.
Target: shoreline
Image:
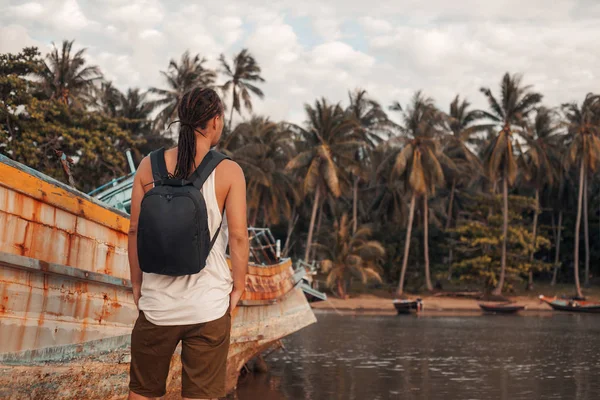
[(433, 306)]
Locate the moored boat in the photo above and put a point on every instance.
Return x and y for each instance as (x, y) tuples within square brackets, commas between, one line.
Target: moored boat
[(501, 308), (408, 306), (65, 294), (571, 305)]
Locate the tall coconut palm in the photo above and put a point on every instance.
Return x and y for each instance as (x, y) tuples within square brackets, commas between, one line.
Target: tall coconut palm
[(242, 76), (374, 123), (66, 77), (265, 151), (517, 101), (461, 124), (136, 110), (105, 98), (418, 165), (329, 141), (180, 76), (537, 162), (583, 124), (347, 254)]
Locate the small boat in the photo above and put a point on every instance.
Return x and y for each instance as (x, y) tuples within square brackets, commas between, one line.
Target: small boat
[(572, 305), (408, 306), (501, 308)]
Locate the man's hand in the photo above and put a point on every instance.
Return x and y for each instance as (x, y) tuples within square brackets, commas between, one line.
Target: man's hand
[(234, 298), (137, 293)]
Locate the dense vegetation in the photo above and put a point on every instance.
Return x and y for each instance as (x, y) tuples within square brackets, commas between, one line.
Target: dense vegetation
[(488, 197)]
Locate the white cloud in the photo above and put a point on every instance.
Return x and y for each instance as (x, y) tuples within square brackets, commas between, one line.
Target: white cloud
[(151, 34), (13, 38), (399, 46), (30, 10), (70, 16)]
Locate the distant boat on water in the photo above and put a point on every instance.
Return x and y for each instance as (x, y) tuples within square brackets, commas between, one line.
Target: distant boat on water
[(571, 305), (501, 308), (408, 306)]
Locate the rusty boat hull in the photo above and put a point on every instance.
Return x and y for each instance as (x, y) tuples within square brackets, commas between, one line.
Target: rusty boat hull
[(66, 306)]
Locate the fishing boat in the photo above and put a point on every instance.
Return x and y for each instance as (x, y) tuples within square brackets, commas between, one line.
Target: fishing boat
[(66, 305), (408, 306), (501, 308), (571, 305)]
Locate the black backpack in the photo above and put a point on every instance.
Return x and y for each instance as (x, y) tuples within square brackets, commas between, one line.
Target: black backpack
[(173, 236)]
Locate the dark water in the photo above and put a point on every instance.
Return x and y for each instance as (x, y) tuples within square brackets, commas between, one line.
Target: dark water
[(555, 356)]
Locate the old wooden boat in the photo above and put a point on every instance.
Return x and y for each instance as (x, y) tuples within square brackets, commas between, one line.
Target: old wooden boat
[(571, 305), (501, 308), (66, 307), (408, 306)]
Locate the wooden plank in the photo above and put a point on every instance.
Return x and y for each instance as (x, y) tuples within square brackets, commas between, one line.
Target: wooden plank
[(34, 184)]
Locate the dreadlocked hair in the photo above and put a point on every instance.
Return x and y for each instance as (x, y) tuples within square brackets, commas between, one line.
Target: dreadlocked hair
[(195, 109)]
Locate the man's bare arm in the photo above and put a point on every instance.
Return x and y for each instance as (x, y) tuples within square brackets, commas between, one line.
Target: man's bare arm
[(235, 206), (136, 202)]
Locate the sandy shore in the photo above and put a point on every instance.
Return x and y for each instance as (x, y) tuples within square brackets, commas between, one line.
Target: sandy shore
[(432, 304)]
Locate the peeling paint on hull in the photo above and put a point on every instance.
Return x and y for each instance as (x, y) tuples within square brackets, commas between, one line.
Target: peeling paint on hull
[(66, 307)]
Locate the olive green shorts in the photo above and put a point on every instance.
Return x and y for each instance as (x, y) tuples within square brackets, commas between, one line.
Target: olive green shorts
[(204, 351)]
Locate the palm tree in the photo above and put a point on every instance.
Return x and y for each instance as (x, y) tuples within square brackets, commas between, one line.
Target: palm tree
[(583, 124), (242, 76), (517, 101), (330, 140), (66, 77), (263, 154), (418, 165), (461, 124), (538, 166), (181, 77), (348, 254), (373, 122), (105, 98)]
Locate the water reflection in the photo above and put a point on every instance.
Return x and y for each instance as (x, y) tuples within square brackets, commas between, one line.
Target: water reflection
[(479, 357)]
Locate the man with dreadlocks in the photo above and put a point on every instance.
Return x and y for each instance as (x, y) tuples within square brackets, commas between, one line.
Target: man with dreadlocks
[(194, 308)]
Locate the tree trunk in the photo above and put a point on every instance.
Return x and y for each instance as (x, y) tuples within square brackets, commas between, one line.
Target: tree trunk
[(291, 224), (533, 246), (586, 232), (340, 288), (577, 229), (355, 206), (312, 224), (448, 223), (411, 215), (318, 230), (255, 216), (231, 112), (426, 242), (498, 290), (557, 253)]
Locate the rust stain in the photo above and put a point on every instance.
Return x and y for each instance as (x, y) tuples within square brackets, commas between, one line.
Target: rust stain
[(59, 196), (45, 267)]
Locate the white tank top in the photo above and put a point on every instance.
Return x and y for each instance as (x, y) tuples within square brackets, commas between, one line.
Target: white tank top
[(192, 299)]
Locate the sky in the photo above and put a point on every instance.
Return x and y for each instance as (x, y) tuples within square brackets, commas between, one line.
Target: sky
[(313, 48)]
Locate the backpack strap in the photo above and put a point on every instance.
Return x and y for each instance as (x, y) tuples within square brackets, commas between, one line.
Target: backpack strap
[(206, 167), (159, 166)]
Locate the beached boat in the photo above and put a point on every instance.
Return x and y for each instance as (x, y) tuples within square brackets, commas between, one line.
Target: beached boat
[(66, 306), (501, 308), (571, 305), (408, 306)]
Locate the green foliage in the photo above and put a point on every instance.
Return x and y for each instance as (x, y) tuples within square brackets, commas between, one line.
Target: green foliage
[(33, 128), (346, 254), (477, 239)]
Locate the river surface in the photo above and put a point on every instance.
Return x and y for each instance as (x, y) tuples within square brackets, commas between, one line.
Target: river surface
[(550, 356)]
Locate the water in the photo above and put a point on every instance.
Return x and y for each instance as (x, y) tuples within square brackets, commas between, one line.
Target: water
[(555, 356)]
